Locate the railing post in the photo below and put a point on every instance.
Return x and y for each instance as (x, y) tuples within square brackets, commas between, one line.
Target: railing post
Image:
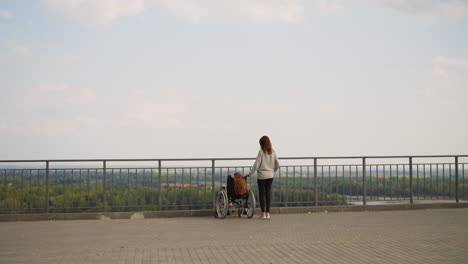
[(104, 206), (159, 185), (364, 182), (213, 182), (47, 186), (286, 188), (279, 186), (456, 179), (315, 182), (5, 188), (411, 179)]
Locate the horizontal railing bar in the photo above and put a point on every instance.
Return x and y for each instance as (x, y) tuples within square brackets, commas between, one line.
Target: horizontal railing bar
[(376, 157), (125, 160), (126, 206), (310, 202), (230, 159), (226, 167), (114, 168)]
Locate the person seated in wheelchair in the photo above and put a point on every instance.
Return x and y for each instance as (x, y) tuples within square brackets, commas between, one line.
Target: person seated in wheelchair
[(235, 196), (236, 187)]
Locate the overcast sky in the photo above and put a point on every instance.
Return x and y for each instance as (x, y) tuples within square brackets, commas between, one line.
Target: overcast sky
[(208, 78)]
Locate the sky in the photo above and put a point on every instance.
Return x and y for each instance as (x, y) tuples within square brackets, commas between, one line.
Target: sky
[(208, 78)]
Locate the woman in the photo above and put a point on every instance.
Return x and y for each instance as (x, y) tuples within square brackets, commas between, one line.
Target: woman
[(265, 165)]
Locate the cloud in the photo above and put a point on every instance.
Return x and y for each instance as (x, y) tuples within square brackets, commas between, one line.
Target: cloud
[(262, 107), (3, 126), (104, 12), (153, 115), (82, 95), (438, 70), (96, 12), (442, 63), (452, 62), (330, 6), (325, 108), (280, 10), (450, 8), (54, 87), (86, 120), (62, 92), (429, 92), (55, 109), (21, 51), (5, 14)]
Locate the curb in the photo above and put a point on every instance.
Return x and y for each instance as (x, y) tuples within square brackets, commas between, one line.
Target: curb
[(200, 213)]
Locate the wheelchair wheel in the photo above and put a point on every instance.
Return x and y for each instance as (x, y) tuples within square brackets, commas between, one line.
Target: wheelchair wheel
[(221, 204), (250, 208)]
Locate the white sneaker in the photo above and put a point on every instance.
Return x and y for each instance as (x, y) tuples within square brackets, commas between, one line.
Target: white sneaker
[(268, 216), (263, 216)]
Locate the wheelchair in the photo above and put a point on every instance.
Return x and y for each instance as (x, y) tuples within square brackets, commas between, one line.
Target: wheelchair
[(227, 201)]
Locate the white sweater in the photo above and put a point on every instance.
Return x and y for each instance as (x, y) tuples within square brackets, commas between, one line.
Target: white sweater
[(265, 165)]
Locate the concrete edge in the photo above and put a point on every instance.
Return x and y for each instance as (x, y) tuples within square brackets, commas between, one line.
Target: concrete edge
[(199, 213), (360, 208)]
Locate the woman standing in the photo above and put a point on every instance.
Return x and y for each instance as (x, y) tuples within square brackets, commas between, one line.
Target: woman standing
[(265, 165)]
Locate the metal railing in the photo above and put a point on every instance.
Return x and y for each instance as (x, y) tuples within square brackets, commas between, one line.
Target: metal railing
[(109, 185)]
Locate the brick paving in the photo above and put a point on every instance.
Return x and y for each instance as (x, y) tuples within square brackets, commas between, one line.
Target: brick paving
[(415, 236)]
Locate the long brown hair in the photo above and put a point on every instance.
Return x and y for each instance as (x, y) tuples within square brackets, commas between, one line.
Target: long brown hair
[(240, 185), (265, 144)]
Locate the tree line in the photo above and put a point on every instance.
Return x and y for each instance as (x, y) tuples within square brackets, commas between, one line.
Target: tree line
[(86, 195)]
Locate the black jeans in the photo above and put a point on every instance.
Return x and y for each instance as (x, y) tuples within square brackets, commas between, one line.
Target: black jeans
[(264, 192)]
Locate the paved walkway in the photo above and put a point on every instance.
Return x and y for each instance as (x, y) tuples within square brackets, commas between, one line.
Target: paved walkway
[(420, 236)]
